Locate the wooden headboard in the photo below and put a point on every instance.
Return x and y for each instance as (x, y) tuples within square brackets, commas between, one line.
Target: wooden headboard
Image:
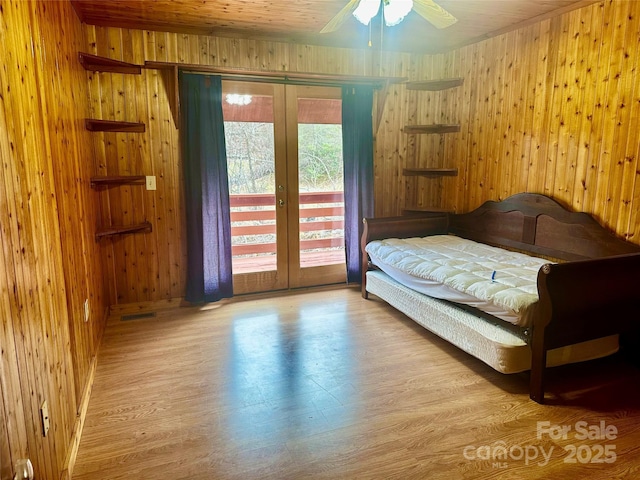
[(540, 225)]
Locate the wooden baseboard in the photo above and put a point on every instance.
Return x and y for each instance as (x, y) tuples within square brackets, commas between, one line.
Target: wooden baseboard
[(70, 462), (81, 414), (141, 307)]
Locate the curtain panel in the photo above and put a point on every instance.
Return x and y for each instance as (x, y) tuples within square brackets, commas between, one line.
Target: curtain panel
[(357, 140), (209, 274)]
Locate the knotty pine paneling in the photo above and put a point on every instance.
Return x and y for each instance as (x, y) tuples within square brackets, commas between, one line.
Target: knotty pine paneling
[(62, 85), (552, 108), (49, 261), (151, 267)]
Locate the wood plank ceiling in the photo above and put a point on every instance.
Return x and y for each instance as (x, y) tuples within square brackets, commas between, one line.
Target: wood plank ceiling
[(300, 21)]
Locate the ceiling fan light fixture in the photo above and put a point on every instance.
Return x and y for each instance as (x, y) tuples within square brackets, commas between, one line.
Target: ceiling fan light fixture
[(366, 10), (396, 10)]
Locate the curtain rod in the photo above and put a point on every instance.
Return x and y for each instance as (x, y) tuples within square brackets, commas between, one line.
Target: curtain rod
[(297, 78)]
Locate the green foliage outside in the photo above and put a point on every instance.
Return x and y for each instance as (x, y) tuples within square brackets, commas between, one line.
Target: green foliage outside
[(320, 157), (250, 157)]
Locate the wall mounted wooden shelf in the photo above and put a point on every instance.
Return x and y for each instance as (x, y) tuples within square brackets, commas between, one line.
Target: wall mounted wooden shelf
[(430, 172), (122, 229), (429, 129), (94, 125), (117, 180), (94, 63), (415, 151), (435, 85)]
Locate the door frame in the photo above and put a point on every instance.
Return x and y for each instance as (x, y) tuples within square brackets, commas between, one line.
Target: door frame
[(288, 273)]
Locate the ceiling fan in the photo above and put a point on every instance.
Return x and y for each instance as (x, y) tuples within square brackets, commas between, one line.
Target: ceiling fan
[(394, 12)]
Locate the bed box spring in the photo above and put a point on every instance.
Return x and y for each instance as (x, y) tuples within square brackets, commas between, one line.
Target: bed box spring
[(499, 346)]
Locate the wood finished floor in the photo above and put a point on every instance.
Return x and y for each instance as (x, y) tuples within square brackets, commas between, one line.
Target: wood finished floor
[(324, 384)]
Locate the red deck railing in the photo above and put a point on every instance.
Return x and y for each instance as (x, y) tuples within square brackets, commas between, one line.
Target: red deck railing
[(314, 216)]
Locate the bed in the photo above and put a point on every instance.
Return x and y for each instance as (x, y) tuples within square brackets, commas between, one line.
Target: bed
[(582, 290)]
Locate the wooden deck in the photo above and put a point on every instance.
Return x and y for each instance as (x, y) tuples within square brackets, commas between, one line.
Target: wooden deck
[(253, 216), (267, 263)]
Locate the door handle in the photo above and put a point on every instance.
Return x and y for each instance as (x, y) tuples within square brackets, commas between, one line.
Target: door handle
[(281, 203)]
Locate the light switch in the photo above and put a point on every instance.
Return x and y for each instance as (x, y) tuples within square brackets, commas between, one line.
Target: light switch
[(151, 182)]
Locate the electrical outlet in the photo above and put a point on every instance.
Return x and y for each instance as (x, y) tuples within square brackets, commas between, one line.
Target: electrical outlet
[(86, 310), (44, 412), (151, 182), (23, 469)]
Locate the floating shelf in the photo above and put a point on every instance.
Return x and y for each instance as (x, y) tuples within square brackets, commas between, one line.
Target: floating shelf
[(430, 172), (118, 180), (122, 229), (435, 128), (435, 85), (94, 63), (94, 125)]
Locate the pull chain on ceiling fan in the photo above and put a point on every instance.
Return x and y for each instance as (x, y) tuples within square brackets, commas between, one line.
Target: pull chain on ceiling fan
[(394, 12)]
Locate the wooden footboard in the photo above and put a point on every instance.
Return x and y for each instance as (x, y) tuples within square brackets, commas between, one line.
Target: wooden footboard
[(581, 301)]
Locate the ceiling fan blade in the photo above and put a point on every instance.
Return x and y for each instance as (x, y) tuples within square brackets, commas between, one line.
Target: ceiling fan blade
[(434, 13), (341, 17)]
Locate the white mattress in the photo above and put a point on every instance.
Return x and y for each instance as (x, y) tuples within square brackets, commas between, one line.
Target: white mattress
[(499, 347), (497, 281)]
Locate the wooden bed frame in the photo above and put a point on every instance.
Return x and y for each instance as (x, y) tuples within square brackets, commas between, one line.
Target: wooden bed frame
[(593, 292)]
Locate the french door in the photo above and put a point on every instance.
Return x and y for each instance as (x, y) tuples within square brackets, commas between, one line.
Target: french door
[(284, 153)]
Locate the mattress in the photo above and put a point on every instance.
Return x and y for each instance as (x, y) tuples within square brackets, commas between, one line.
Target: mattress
[(497, 281), (503, 349)]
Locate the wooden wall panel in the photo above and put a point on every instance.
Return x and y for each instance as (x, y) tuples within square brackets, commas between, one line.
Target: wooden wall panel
[(551, 108), (14, 441), (150, 267), (50, 262), (541, 110)]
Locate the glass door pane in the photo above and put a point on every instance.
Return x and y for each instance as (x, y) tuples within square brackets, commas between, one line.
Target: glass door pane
[(252, 136), (314, 156), (251, 161), (320, 182)]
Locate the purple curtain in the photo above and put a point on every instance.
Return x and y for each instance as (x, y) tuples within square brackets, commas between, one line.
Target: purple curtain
[(357, 145), (209, 276)]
